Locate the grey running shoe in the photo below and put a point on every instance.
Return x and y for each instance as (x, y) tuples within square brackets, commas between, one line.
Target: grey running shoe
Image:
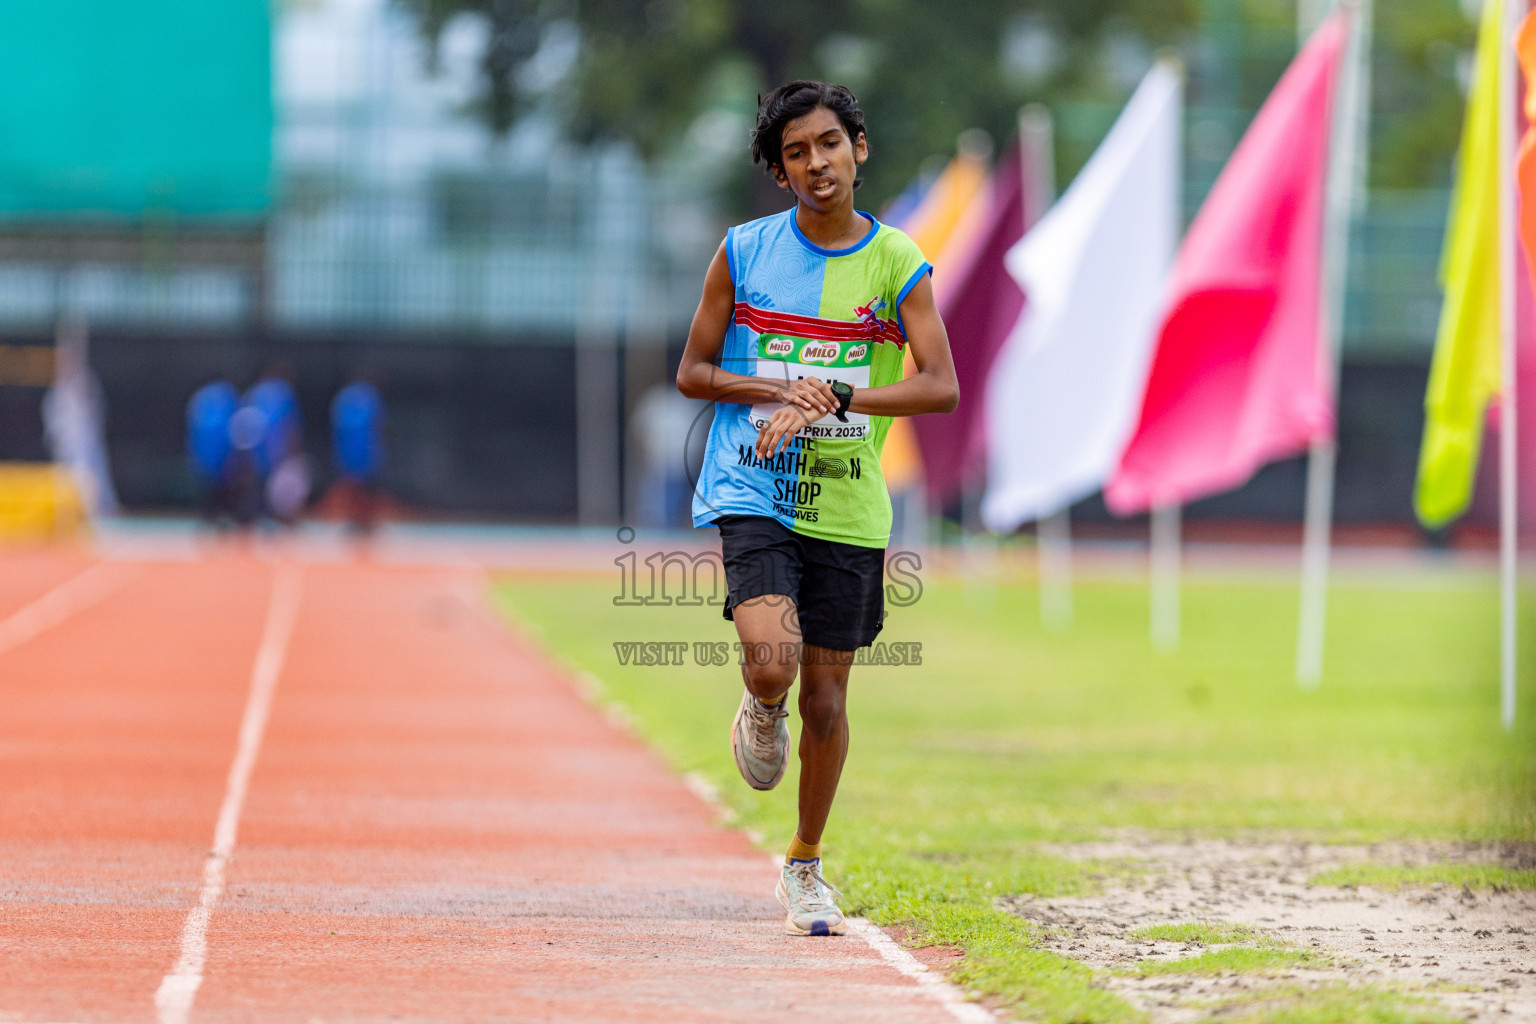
[(808, 899), (760, 742)]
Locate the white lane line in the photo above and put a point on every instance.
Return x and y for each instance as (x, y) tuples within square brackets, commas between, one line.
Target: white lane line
[(174, 998), (930, 983), (74, 595)]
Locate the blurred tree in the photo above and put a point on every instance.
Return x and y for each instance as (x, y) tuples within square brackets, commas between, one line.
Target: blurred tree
[(513, 27), (1417, 52), (680, 77), (1417, 91), (924, 72)]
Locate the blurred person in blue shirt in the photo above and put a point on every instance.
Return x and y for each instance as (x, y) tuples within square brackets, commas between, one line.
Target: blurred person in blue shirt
[(280, 452), (357, 449), (247, 434), (209, 448), (274, 398)]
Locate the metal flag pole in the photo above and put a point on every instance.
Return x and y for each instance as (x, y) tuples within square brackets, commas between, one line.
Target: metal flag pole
[(1165, 576), (1343, 191), (1053, 536), (1514, 12), (1165, 541), (1053, 533), (597, 390), (978, 553)]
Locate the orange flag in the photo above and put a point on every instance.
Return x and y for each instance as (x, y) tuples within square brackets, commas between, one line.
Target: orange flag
[(1525, 49)]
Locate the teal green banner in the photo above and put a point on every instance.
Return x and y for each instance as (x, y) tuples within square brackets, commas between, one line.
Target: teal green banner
[(117, 110)]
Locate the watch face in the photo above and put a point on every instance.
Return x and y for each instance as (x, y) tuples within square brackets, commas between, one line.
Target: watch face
[(842, 389)]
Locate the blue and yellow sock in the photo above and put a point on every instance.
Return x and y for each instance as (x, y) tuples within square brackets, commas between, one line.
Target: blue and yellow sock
[(799, 850)]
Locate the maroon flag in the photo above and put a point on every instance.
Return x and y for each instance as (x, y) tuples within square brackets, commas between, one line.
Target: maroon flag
[(980, 303)]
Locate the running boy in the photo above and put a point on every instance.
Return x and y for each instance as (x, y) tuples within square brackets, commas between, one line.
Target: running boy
[(799, 339)]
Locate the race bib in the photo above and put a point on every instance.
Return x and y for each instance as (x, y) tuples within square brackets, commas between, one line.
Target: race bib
[(784, 358)]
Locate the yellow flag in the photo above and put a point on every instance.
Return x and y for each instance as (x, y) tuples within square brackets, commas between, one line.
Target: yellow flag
[(1465, 372), (937, 219)]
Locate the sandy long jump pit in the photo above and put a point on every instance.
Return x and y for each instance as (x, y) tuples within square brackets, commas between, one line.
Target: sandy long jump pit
[(1473, 953)]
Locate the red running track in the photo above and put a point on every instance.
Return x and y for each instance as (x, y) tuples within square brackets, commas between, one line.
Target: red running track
[(436, 828)]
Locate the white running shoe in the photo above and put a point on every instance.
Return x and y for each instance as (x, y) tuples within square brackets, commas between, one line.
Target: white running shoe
[(808, 899), (760, 741)]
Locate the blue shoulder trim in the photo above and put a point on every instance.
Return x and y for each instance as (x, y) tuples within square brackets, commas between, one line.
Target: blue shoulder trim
[(906, 289), (730, 255)]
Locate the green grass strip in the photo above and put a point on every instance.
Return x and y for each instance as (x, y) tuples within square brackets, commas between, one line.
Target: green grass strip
[(1205, 933), (948, 901), (1328, 1004), (1236, 960), (1042, 986), (1473, 876), (1007, 736), (1002, 960)]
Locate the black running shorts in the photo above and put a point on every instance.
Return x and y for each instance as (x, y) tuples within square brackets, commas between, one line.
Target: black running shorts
[(837, 588)]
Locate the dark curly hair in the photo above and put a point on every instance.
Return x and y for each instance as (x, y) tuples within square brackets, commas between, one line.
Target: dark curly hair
[(790, 102)]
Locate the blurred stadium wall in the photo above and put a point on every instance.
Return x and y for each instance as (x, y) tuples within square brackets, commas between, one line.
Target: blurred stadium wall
[(213, 190)]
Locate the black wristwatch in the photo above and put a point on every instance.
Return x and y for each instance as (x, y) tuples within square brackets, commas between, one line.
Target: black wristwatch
[(844, 393)]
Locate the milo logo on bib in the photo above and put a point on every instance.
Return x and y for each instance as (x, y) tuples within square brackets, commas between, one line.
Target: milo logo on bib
[(824, 352), (786, 358), (807, 352)]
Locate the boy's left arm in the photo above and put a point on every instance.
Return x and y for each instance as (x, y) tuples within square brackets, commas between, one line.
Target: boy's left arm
[(934, 387)]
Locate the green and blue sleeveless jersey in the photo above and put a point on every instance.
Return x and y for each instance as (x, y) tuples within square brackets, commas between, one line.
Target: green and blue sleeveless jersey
[(805, 311)]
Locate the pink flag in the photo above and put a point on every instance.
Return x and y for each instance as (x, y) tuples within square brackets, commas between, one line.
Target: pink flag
[(980, 304), (1237, 377)]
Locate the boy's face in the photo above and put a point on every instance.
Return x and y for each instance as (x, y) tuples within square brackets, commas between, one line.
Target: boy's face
[(820, 161)]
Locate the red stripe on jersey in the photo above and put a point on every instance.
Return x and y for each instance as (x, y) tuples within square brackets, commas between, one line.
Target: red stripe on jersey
[(769, 321)]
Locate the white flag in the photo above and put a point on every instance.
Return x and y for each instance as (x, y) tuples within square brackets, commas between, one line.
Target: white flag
[(1066, 388)]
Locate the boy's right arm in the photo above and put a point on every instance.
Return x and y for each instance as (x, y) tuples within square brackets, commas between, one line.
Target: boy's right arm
[(698, 376)]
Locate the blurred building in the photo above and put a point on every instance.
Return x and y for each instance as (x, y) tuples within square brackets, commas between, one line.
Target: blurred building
[(336, 204), (299, 181)]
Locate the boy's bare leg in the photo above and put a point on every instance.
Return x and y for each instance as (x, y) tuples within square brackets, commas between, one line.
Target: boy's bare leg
[(773, 654), (823, 735), (770, 635), (770, 648)]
